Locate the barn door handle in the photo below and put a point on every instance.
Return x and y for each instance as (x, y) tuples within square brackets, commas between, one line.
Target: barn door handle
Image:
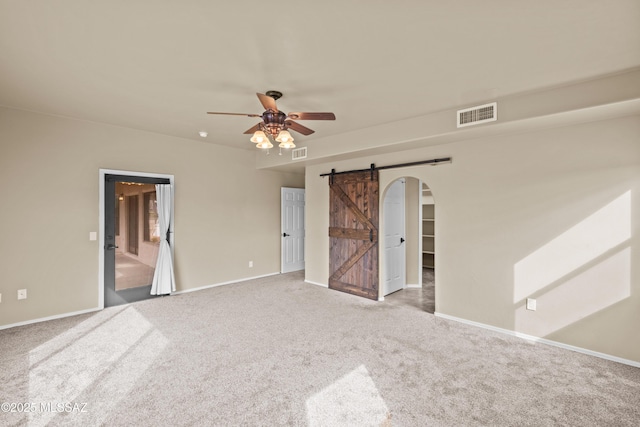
[(371, 235), (285, 235), (401, 240), (111, 246)]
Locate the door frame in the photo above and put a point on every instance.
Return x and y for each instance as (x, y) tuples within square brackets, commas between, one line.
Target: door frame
[(101, 219)]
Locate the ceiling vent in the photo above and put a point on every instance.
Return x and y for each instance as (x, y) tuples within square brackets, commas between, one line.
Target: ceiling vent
[(476, 115), (299, 153)]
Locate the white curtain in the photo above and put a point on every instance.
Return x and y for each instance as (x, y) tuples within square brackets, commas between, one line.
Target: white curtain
[(164, 281)]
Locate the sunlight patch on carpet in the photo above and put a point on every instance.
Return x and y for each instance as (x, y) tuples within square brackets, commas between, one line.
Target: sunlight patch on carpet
[(112, 349), (351, 400)]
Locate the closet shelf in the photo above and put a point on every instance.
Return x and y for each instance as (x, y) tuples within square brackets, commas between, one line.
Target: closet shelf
[(428, 230)]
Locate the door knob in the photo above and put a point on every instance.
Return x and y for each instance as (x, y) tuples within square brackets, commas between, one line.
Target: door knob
[(401, 240), (285, 235), (111, 246)]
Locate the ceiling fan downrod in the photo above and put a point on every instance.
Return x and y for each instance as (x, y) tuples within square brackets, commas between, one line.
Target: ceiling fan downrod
[(274, 94)]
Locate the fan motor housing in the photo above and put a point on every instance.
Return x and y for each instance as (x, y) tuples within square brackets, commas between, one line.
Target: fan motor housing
[(274, 121)]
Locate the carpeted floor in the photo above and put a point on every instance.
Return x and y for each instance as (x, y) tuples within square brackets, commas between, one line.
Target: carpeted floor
[(278, 351)]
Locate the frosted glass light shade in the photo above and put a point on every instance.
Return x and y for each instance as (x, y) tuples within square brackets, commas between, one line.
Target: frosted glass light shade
[(284, 136), (259, 137), (285, 139), (266, 144), (287, 145)]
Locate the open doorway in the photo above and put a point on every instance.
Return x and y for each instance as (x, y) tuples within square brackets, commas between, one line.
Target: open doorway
[(418, 225), (137, 234), (133, 234)]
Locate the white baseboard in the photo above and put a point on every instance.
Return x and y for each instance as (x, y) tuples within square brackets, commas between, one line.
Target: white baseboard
[(215, 285), (44, 319), (91, 310), (316, 283), (541, 340), (413, 286)]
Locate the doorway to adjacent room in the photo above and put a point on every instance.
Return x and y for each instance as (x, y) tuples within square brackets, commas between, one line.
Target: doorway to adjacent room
[(131, 235)]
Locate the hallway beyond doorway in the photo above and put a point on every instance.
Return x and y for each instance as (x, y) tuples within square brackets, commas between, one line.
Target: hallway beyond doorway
[(421, 298), (131, 273)]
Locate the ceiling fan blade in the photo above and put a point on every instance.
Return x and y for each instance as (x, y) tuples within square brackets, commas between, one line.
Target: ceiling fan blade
[(253, 129), (312, 116), (236, 114), (298, 127), (267, 102)]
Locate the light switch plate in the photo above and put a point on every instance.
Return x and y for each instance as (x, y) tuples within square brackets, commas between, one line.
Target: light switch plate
[(531, 304), (93, 235)]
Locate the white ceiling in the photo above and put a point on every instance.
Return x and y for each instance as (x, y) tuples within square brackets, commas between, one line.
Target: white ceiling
[(160, 65)]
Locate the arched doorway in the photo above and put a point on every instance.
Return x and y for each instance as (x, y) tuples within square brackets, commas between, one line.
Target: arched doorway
[(418, 241)]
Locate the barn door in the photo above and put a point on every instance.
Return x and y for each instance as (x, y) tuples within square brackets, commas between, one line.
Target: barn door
[(353, 233)]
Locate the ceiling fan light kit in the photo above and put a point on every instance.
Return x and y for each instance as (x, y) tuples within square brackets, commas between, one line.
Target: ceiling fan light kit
[(266, 144), (275, 123), (285, 139), (258, 137)]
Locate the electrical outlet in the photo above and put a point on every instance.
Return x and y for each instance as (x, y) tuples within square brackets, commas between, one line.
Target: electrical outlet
[(531, 304), (22, 294), (250, 264), (0, 297)]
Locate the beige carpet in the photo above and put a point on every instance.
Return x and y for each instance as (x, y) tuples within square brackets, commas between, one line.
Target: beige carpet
[(277, 351)]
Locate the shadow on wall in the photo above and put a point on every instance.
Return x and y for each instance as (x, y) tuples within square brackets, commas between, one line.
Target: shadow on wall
[(580, 272)]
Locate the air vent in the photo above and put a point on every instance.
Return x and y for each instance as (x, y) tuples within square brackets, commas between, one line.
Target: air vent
[(299, 153), (476, 115)]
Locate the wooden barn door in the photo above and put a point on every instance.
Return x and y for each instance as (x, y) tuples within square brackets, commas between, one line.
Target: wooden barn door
[(353, 232)]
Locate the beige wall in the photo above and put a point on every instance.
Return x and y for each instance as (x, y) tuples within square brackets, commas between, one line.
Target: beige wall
[(227, 212), (551, 215)]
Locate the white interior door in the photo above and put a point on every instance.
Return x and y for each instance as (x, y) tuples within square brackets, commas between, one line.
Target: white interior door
[(394, 247), (292, 229)]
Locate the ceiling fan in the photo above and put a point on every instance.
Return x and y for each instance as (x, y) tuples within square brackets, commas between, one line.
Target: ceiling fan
[(276, 123)]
